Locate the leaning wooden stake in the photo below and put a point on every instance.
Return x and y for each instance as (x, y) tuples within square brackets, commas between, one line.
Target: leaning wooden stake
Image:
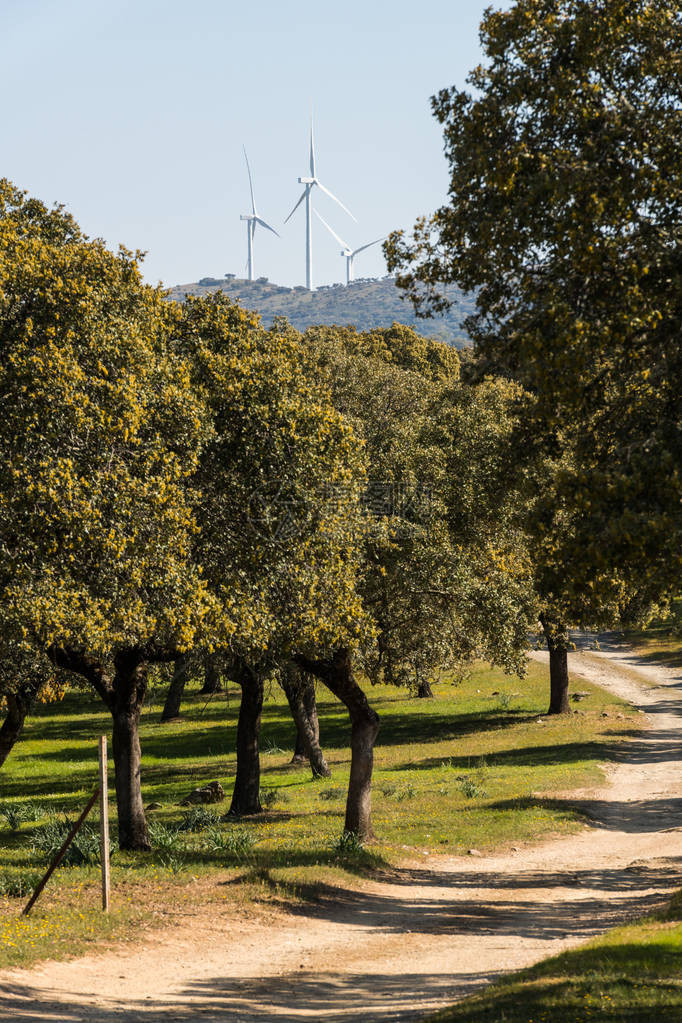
[(62, 852), (104, 822)]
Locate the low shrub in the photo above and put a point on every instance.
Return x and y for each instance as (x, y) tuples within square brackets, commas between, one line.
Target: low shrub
[(84, 848), (348, 844), (18, 886), (199, 818)]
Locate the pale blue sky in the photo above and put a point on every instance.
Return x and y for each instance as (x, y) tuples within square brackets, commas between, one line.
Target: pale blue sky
[(133, 114)]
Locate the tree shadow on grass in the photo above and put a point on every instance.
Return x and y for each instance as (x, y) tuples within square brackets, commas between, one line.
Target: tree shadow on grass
[(260, 862), (525, 756), (401, 729)]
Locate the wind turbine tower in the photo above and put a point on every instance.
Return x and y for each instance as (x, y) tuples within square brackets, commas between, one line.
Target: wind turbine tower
[(346, 251), (310, 183), (251, 220)]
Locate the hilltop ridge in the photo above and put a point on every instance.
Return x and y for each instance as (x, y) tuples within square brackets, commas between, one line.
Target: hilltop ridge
[(365, 303)]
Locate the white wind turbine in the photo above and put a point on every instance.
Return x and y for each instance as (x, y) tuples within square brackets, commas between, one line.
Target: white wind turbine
[(252, 219), (346, 251), (309, 185)]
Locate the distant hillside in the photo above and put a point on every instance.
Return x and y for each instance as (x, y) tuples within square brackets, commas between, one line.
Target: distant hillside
[(363, 304)]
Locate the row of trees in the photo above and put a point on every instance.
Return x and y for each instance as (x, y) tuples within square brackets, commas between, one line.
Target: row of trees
[(564, 214), (177, 479)]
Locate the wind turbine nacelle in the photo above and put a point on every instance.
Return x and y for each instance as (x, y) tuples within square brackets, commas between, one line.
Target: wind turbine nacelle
[(246, 216), (306, 181), (346, 253)]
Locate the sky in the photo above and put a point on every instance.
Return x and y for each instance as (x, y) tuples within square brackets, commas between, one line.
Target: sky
[(133, 114)]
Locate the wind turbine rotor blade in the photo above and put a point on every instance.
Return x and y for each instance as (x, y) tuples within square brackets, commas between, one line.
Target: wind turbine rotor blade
[(368, 246), (331, 231), (305, 192), (263, 224), (332, 196), (253, 201), (312, 148)]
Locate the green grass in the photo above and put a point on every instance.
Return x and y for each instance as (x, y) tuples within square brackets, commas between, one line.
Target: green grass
[(658, 646), (631, 974), (661, 641), (468, 769)]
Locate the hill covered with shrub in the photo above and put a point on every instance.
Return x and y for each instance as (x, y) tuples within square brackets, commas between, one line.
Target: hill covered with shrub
[(365, 304)]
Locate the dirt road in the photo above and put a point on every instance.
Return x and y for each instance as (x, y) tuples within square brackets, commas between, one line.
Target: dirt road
[(395, 950)]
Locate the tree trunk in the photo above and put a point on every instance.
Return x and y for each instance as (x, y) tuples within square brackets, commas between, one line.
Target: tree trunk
[(211, 676), (123, 696), (246, 793), (557, 644), (176, 690), (337, 675), (129, 687), (299, 756), (424, 690), (300, 693), (318, 762), (18, 707)]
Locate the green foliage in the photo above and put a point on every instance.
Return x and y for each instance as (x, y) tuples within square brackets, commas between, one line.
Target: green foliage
[(269, 748), (278, 548), (84, 849), (564, 211), (348, 844), (273, 796), (446, 572), (334, 792), (408, 792), (237, 842), (164, 837), (100, 433), (19, 884), (472, 788), (18, 813), (199, 818)]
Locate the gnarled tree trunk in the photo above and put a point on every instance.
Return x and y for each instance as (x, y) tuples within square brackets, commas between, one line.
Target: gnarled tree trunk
[(123, 696), (300, 693), (211, 676), (337, 674), (557, 644), (18, 706), (176, 690), (129, 687), (246, 792)]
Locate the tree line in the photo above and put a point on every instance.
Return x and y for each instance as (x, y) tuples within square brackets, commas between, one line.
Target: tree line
[(179, 482)]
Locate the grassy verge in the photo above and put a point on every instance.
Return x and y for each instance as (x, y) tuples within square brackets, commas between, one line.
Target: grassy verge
[(657, 646), (633, 973), (661, 641), (472, 768)]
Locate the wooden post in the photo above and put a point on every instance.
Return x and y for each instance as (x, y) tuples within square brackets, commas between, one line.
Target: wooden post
[(104, 822), (62, 852)]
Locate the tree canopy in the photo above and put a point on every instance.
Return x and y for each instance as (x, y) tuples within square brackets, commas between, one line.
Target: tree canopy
[(446, 573), (564, 217)]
